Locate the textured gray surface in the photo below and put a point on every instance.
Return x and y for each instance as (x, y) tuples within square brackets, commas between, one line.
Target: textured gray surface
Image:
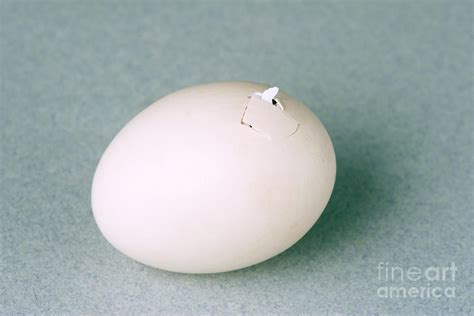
[(392, 82)]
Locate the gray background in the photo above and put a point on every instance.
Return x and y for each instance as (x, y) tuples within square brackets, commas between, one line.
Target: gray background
[(392, 82)]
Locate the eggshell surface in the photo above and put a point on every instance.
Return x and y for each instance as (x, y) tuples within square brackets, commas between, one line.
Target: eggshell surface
[(188, 186)]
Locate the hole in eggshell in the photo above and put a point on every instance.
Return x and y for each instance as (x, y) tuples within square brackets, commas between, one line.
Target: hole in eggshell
[(278, 104)]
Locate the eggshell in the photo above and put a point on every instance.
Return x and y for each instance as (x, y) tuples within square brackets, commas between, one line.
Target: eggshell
[(188, 186)]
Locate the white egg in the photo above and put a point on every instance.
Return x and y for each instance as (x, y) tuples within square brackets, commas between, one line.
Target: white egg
[(214, 178)]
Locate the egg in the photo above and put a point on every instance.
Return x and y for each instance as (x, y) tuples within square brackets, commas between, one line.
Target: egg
[(214, 178)]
